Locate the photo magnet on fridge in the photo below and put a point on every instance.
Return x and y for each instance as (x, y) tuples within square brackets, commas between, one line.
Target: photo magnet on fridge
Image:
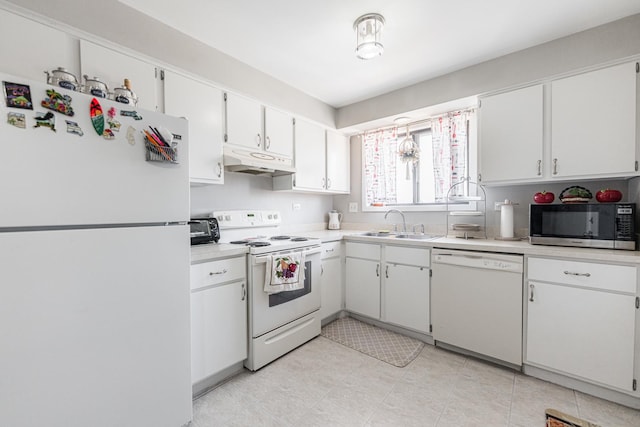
[(17, 95)]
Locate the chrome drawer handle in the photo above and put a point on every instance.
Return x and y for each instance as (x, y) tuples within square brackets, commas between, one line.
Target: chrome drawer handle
[(531, 297), (244, 292), (213, 273), (572, 273)]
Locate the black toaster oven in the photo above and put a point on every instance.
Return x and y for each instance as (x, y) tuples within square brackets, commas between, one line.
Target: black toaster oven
[(204, 230)]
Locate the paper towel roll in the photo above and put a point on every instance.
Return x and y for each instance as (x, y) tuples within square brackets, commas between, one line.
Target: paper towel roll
[(506, 219)]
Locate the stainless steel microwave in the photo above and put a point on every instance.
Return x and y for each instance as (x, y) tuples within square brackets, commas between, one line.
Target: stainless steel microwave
[(592, 225)]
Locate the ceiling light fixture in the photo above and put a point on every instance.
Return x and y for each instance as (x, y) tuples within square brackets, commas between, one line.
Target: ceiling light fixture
[(368, 30)]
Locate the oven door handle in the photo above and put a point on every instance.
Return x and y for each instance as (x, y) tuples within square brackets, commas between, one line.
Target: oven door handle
[(262, 259)]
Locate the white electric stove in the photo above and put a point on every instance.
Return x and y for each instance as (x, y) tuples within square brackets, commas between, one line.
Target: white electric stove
[(278, 322), (260, 230)]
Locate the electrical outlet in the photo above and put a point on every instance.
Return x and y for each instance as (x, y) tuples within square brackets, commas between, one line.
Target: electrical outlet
[(353, 206), (296, 206)]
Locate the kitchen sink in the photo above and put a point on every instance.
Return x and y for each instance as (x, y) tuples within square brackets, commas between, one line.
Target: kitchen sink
[(378, 234), (417, 236), (409, 236)]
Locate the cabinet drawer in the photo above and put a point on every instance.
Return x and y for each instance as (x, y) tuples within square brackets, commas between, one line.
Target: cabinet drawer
[(220, 271), (621, 278), (363, 250), (331, 250), (410, 256)]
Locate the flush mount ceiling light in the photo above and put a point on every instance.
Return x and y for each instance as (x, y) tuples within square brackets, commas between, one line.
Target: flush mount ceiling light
[(368, 30)]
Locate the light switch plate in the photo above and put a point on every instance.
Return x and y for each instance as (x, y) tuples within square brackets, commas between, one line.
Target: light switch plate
[(353, 206)]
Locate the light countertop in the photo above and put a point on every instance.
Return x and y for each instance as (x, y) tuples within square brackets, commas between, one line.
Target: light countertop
[(201, 253)]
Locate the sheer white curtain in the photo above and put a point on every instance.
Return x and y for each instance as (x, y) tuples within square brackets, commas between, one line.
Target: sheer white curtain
[(380, 162), (450, 138)]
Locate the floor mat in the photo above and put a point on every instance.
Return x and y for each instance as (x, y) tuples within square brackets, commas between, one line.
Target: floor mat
[(560, 419), (384, 345)]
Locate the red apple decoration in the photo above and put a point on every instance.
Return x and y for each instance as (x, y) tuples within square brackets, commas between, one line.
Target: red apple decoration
[(608, 196), (544, 197)]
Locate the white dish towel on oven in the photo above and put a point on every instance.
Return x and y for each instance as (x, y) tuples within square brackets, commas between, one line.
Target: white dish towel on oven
[(284, 273)]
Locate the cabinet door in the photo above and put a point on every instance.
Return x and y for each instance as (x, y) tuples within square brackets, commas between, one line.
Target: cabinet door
[(278, 130), (243, 117), (338, 163), (38, 48), (406, 296), (113, 67), (362, 284), (593, 123), (218, 329), (201, 104), (331, 292), (309, 156), (511, 136), (582, 332)]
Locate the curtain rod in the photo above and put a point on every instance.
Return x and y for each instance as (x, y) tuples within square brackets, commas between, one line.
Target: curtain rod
[(421, 121)]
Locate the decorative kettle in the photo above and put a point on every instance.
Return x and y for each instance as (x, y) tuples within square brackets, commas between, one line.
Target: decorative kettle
[(334, 220)]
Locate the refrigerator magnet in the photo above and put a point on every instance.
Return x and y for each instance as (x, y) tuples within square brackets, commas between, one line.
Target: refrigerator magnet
[(108, 134), (17, 119), (97, 118), (47, 120), (72, 127), (133, 114), (114, 125), (17, 95), (131, 135), (58, 102)]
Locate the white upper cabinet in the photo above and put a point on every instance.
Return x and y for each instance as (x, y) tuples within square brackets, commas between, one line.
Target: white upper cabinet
[(511, 136), (202, 105), (278, 130), (583, 126), (38, 48), (309, 156), (338, 163), (243, 119), (250, 125), (593, 123), (321, 160), (113, 67)]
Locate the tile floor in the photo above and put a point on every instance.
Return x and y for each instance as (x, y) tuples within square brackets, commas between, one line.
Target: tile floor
[(326, 384)]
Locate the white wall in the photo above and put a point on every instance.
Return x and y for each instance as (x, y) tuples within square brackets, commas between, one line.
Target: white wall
[(243, 191)]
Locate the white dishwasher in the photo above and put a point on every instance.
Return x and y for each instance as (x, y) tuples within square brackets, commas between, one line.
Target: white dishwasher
[(476, 302)]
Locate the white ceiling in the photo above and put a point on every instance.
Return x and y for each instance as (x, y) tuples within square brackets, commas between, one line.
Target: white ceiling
[(309, 44)]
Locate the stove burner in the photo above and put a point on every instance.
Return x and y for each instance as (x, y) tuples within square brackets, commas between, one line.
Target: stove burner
[(258, 244), (281, 238), (299, 239), (239, 242)]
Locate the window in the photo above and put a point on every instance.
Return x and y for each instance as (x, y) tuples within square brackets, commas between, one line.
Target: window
[(444, 153)]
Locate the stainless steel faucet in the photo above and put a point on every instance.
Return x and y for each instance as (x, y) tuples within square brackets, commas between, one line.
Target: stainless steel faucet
[(404, 222)]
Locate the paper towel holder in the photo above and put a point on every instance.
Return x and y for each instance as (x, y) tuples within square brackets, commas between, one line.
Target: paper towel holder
[(506, 221)]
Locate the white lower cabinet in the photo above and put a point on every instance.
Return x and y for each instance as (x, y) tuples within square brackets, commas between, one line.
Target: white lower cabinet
[(581, 320), (389, 283), (362, 286), (331, 293), (218, 316)]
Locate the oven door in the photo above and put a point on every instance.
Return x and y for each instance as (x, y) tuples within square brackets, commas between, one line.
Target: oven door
[(270, 311)]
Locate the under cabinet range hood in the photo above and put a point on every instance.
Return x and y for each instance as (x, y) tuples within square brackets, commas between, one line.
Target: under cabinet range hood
[(256, 162)]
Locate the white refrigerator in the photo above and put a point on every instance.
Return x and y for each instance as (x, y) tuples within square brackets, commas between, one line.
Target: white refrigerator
[(94, 263)]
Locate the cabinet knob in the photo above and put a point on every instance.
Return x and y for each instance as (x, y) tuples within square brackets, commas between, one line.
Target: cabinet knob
[(328, 183), (267, 144), (258, 140), (219, 170), (386, 272), (377, 270), (539, 167), (244, 292), (555, 166)]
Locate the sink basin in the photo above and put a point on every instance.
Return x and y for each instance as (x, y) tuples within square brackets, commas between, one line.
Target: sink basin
[(411, 236), (377, 234), (417, 236)]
